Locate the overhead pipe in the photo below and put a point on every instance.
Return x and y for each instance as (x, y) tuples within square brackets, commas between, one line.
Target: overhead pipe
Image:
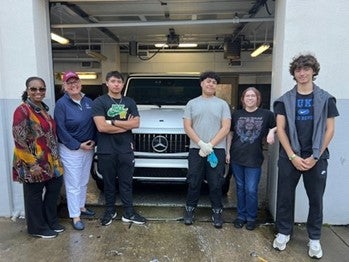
[(78, 11), (253, 11), (74, 59), (166, 23)]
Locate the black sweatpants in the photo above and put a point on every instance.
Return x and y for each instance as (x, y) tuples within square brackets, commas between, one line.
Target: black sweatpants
[(121, 166), (314, 183), (200, 169), (41, 205)]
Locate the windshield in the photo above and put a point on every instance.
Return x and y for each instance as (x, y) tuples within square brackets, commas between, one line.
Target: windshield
[(163, 91)]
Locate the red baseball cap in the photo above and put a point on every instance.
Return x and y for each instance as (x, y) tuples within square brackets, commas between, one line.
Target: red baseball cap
[(68, 75)]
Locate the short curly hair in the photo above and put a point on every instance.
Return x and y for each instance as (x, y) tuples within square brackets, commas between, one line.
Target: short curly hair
[(305, 61), (210, 74)]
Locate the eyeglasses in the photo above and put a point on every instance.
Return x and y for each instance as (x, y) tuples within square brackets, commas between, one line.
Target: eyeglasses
[(35, 89), (73, 82)]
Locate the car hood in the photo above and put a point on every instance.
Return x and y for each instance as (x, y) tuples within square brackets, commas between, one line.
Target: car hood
[(160, 118)]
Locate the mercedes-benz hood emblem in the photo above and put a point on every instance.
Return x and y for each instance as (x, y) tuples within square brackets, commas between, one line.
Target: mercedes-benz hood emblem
[(159, 144)]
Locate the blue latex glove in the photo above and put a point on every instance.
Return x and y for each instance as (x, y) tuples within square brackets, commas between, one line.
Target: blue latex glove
[(212, 159)]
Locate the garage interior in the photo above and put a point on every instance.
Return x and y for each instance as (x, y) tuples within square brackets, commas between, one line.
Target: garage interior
[(174, 36), (192, 36)]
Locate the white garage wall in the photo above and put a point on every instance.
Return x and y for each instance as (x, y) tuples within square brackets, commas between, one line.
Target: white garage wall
[(195, 62), (19, 60), (252, 70)]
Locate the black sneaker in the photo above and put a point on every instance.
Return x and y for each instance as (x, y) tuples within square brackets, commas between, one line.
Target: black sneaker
[(48, 233), (217, 218), (134, 218), (88, 212), (251, 225), (188, 215), (58, 228), (239, 223), (108, 217)]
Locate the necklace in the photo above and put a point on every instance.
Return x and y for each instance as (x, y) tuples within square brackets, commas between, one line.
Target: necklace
[(250, 110), (115, 101)]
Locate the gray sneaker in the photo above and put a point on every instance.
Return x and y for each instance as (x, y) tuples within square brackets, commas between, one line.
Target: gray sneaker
[(281, 241), (315, 250)]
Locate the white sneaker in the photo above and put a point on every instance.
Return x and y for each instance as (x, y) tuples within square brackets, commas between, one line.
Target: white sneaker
[(280, 241), (315, 250)]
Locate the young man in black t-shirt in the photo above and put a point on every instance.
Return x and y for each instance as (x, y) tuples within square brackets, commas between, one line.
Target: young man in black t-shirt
[(115, 116), (305, 126)]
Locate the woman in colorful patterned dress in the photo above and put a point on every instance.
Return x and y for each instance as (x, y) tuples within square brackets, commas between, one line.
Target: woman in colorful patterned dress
[(36, 163)]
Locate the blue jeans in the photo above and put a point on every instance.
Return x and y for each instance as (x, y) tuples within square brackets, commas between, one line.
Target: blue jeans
[(246, 180)]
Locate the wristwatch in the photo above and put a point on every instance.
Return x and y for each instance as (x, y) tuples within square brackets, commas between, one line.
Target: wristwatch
[(292, 157)]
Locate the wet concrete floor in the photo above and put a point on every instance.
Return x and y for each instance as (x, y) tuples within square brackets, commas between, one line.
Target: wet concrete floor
[(164, 238)]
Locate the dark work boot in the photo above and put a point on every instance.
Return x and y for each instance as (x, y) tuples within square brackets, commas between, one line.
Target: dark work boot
[(217, 218), (188, 215)]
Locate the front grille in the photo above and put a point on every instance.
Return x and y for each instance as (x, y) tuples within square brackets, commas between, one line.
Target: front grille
[(177, 143), (160, 172)]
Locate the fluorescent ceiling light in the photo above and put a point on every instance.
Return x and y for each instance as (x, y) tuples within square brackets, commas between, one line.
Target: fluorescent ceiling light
[(84, 75), (96, 55), (187, 45), (59, 39), (160, 45), (87, 75), (260, 50), (182, 45)]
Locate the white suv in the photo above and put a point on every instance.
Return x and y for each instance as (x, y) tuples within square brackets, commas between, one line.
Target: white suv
[(161, 145)]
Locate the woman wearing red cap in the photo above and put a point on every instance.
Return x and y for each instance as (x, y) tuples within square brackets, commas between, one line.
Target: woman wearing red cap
[(76, 134)]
